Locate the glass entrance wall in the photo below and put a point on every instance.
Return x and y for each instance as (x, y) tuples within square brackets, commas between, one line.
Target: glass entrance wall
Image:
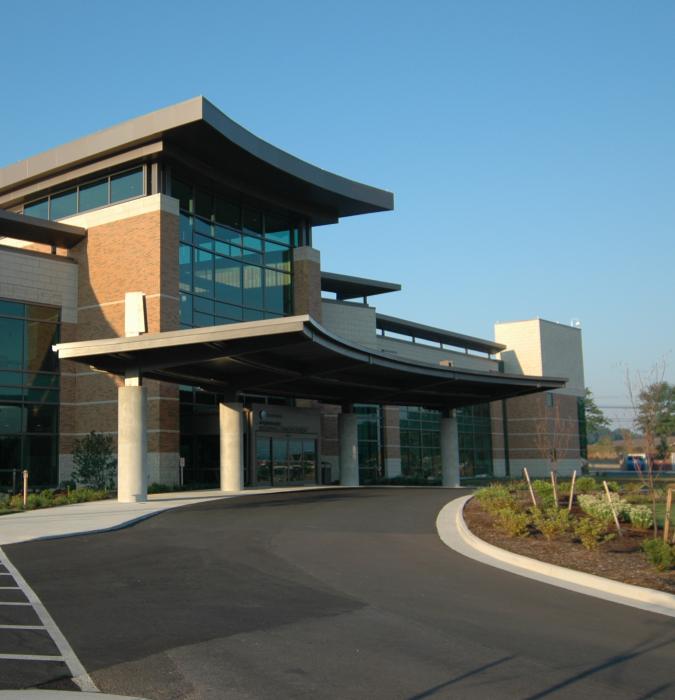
[(282, 461), (29, 392)]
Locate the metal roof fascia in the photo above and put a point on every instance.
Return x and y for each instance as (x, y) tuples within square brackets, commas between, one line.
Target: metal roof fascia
[(419, 330)]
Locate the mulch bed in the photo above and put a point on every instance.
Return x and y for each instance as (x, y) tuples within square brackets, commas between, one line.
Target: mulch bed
[(619, 559)]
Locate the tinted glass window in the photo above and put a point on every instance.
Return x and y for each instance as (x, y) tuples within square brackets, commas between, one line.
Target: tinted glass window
[(203, 204), (64, 204), (94, 195), (126, 185), (185, 266), (43, 313), (183, 193), (228, 281), (39, 356), (253, 288), (11, 347), (42, 419), (203, 273), (11, 308), (11, 419), (39, 209), (228, 213), (277, 291), (252, 221)]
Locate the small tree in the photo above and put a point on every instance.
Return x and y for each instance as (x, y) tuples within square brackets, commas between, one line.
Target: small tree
[(652, 400), (596, 420), (94, 461), (553, 435)]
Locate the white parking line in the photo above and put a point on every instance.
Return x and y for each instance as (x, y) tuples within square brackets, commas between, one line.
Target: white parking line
[(23, 627), (31, 657), (9, 588), (8, 602), (68, 656)]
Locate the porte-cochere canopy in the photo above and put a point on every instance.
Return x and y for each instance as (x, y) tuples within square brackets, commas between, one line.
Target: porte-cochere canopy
[(297, 357)]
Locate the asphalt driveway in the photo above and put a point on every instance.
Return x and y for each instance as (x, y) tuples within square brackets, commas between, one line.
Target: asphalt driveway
[(331, 594)]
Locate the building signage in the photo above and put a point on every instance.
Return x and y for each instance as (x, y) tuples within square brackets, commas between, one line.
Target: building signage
[(285, 420)]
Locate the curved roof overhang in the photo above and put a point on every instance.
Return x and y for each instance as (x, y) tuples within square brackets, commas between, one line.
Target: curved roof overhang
[(198, 131), (296, 357)]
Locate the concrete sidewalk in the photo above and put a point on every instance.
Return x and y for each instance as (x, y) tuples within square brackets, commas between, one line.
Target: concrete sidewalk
[(98, 516)]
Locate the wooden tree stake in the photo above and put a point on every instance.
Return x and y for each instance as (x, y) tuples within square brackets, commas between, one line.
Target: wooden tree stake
[(611, 505), (25, 487), (666, 515), (574, 478), (554, 484), (529, 484)]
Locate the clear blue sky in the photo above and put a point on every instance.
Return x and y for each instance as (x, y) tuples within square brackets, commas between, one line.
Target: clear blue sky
[(530, 145)]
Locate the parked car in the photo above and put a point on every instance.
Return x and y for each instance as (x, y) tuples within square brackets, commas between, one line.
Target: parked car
[(635, 462)]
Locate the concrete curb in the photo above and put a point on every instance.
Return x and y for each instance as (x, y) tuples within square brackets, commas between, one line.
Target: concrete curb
[(59, 695), (454, 533), (98, 517)]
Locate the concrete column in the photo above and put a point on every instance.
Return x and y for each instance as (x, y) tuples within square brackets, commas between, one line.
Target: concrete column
[(132, 444), (231, 417), (349, 449), (450, 450)]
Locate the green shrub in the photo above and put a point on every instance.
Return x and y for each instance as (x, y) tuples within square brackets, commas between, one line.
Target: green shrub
[(591, 531), (586, 484), (512, 522), (165, 488), (660, 554), (544, 489), (551, 522), (85, 495), (94, 461), (598, 507), (564, 488), (640, 516), (495, 497), (613, 486)]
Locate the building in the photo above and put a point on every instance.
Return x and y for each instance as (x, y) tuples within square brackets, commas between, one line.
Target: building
[(214, 227)]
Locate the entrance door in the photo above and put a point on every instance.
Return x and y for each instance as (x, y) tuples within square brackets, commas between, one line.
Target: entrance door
[(263, 462), (285, 461), (279, 462)]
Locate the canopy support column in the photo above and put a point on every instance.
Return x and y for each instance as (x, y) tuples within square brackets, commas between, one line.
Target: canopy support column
[(132, 440), (450, 449), (349, 449), (231, 417)]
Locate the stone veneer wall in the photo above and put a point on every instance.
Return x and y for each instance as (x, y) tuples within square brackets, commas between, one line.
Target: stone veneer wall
[(131, 246)]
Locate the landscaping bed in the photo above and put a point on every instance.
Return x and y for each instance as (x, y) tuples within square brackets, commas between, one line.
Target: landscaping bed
[(49, 498), (618, 558)]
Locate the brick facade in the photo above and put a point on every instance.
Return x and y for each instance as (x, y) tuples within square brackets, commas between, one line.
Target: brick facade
[(129, 253)]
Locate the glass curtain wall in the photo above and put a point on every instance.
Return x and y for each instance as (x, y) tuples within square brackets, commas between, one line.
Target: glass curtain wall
[(235, 265), (29, 393), (235, 261), (369, 427), (474, 425), (101, 192), (421, 444)]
